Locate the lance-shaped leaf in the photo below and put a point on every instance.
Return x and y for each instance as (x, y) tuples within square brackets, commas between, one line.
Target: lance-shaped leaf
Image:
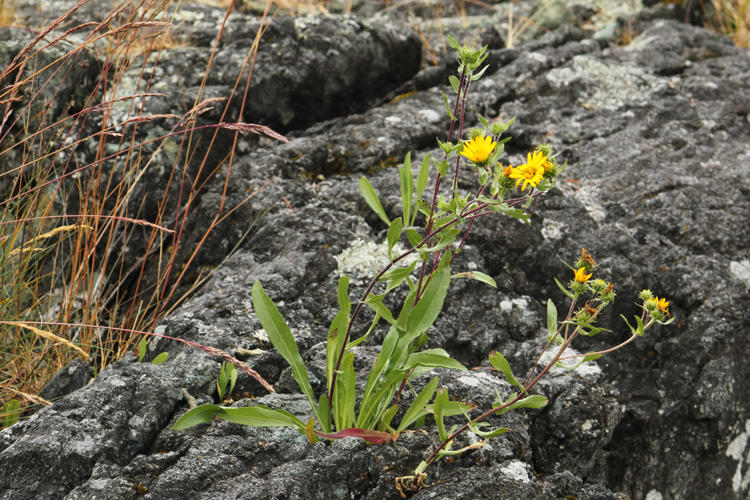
[(394, 235), (533, 401), (551, 318), (500, 363), (337, 330), (282, 339), (422, 178), (407, 188), (345, 394), (429, 306), (564, 290), (258, 416), (434, 358), (371, 198), (418, 407), (476, 275)]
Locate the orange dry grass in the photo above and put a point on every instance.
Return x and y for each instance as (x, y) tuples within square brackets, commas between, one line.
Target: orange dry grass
[(7, 13), (67, 289), (732, 17)]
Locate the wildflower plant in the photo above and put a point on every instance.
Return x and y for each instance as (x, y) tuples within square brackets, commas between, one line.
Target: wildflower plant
[(340, 411)]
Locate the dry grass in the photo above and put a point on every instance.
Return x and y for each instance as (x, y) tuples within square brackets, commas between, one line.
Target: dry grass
[(731, 17), (68, 287)]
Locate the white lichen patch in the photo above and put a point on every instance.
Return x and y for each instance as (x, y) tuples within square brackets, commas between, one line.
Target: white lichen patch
[(429, 115), (588, 369), (552, 229), (741, 272), (737, 450), (477, 379), (516, 470), (653, 495), (588, 195), (507, 306), (363, 259), (260, 335), (605, 86)]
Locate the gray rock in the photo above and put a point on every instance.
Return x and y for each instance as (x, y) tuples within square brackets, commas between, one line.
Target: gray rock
[(72, 377)]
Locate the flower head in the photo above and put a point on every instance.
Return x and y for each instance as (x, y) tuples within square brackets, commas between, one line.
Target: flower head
[(479, 148), (663, 304), (538, 159), (581, 276), (528, 174)]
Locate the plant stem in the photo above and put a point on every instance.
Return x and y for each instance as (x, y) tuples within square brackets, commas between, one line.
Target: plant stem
[(513, 401)]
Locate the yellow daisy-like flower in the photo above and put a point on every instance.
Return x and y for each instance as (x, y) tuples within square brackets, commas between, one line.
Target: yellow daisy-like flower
[(663, 304), (527, 174), (479, 148), (581, 276), (538, 159)]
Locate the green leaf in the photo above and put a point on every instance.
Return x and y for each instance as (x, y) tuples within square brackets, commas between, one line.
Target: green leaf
[(452, 408), (336, 338), (344, 394), (407, 188), (429, 306), (414, 237), (455, 82), (394, 235), (452, 43), (551, 318), (447, 237), (373, 379), (437, 409), (422, 179), (261, 416), (374, 323), (387, 418), (372, 410), (476, 275), (476, 428), (282, 339), (448, 107), (325, 413), (142, 345), (418, 407), (371, 198), (499, 362), (533, 401), (227, 378), (257, 416), (434, 358), (199, 415), (568, 293), (477, 76), (382, 310), (639, 330), (161, 358)]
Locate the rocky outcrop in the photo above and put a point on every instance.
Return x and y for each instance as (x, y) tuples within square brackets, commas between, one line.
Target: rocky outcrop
[(655, 133)]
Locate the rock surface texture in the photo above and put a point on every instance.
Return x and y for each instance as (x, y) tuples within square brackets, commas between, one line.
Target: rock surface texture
[(657, 137)]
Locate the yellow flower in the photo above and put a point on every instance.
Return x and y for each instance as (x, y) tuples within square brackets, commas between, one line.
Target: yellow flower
[(581, 276), (538, 159), (479, 148), (527, 174), (507, 170), (663, 304)]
